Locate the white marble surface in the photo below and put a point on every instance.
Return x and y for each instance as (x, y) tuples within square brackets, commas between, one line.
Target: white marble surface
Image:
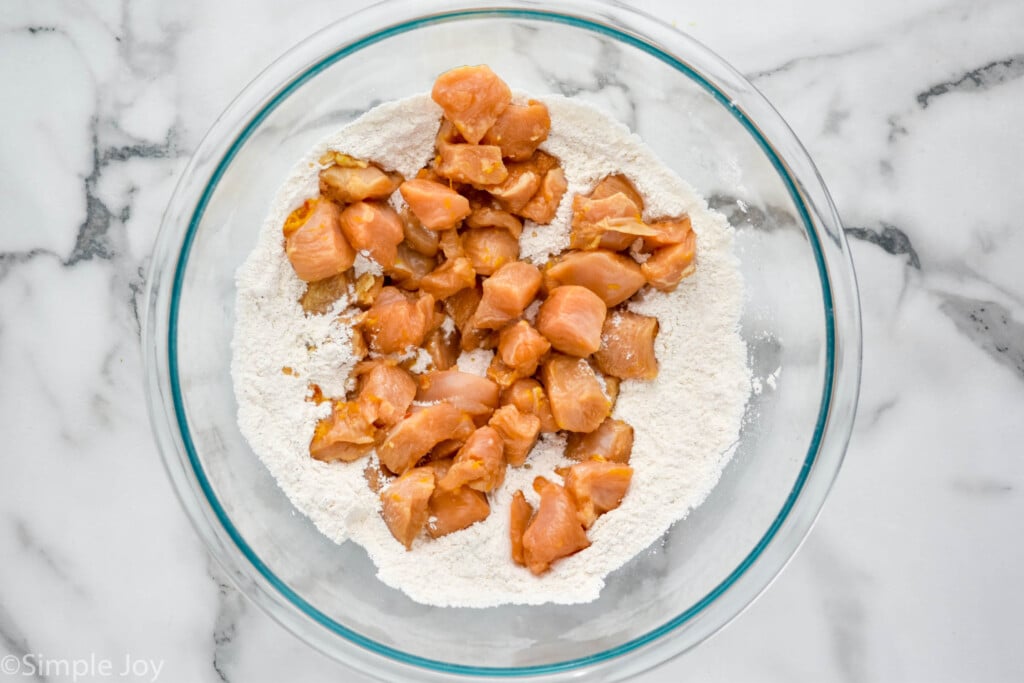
[(913, 113)]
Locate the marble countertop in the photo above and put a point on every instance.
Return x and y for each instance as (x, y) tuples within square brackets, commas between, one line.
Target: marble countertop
[(912, 112)]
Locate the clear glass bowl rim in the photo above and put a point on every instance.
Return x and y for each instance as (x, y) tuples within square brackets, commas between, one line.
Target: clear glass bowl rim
[(393, 17)]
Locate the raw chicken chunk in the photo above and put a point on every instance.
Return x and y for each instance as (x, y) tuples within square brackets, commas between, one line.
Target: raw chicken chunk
[(484, 216), (397, 321), (347, 184), (578, 403), (375, 228), (471, 164), (521, 347), (416, 236), (506, 294), (544, 204), (518, 430), (417, 434), (410, 267), (386, 392), (627, 346), (452, 511), (555, 531), (404, 504), (480, 463), (346, 434), (596, 487), (529, 397), (571, 319), (469, 393), (667, 266), (668, 233), (592, 218), (612, 184), (472, 97), (490, 248), (436, 206), (613, 441), (314, 242), (320, 295), (448, 278), (520, 130), (520, 513), (611, 276)]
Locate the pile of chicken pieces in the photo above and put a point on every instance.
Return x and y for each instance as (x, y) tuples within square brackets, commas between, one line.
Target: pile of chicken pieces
[(450, 282)]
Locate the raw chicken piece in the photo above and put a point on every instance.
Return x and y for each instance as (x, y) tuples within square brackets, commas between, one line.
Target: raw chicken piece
[(521, 347), (613, 441), (528, 396), (347, 184), (320, 295), (503, 375), (448, 278), (543, 205), (520, 129), (471, 164), (397, 321), (518, 430), (571, 319), (469, 393), (373, 227), (367, 288), (520, 513), (346, 434), (592, 218), (555, 531), (609, 185), (627, 346), (480, 463), (490, 248), (577, 402), (668, 233), (376, 478), (404, 504), (596, 487), (611, 276), (314, 242), (436, 206), (443, 348), (472, 97), (667, 266), (419, 238), (386, 392), (451, 244), (410, 267), (506, 294), (484, 216), (417, 434), (462, 305), (519, 187), (452, 511)]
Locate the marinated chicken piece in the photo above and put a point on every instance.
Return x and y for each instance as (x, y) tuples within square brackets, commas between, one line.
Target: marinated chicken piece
[(520, 514), (519, 187), (518, 430), (543, 205), (471, 164), (376, 478), (472, 97), (611, 389), (613, 441), (577, 402), (416, 236), (448, 278), (314, 242), (445, 452), (596, 487), (480, 463), (667, 266), (592, 218), (520, 129), (490, 248), (529, 397), (668, 233), (555, 531), (612, 184), (373, 227), (501, 374), (320, 295), (386, 392), (452, 511), (347, 184), (506, 294), (436, 206), (368, 287), (627, 346), (410, 267), (404, 504), (571, 319), (611, 276), (397, 321), (451, 244), (469, 393), (484, 216), (443, 348), (346, 434), (521, 347), (417, 434), (462, 305)]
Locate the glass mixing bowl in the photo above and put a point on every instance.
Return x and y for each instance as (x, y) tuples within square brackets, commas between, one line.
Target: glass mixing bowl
[(801, 324)]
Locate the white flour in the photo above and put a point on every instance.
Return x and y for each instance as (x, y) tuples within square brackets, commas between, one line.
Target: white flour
[(686, 420)]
